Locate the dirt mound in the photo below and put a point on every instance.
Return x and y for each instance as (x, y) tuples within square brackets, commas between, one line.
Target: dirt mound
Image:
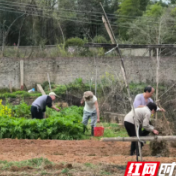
[(69, 166), (160, 148)]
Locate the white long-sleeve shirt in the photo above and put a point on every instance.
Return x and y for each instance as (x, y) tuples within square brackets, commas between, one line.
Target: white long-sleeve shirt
[(142, 118)]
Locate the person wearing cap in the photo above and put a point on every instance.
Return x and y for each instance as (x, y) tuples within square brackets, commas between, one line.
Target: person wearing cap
[(142, 120), (38, 107), (91, 110)]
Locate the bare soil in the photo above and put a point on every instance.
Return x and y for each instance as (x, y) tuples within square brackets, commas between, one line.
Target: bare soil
[(85, 151)]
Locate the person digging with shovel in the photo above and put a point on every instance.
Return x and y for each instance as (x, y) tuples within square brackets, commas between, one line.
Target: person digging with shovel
[(91, 110)]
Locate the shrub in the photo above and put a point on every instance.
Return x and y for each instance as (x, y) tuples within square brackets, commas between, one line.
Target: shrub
[(74, 42), (21, 110), (99, 39), (60, 90), (5, 111)]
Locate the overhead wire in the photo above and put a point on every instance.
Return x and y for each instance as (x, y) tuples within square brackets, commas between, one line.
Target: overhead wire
[(65, 18), (75, 11), (74, 20), (93, 12), (58, 10)]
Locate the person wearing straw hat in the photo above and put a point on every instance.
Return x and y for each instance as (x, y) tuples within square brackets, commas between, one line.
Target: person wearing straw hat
[(91, 110), (38, 107)]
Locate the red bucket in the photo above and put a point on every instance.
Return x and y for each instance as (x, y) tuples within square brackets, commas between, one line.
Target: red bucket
[(98, 131)]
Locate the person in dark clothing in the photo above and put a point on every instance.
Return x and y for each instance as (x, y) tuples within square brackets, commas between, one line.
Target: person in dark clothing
[(38, 107)]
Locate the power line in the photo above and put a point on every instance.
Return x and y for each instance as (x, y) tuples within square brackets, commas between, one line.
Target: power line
[(43, 9), (76, 11), (36, 8), (20, 11), (49, 16), (91, 11), (50, 10), (66, 18)]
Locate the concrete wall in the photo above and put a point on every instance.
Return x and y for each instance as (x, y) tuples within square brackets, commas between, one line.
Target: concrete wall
[(65, 70)]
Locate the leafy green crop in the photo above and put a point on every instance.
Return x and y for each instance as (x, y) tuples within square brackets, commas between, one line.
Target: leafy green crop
[(19, 94), (63, 125), (21, 110)]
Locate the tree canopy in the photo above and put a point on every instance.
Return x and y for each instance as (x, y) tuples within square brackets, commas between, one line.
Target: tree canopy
[(49, 22)]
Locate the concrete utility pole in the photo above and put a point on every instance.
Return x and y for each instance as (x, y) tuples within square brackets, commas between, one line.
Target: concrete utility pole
[(113, 40)]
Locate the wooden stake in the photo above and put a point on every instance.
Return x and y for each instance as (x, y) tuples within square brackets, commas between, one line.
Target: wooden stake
[(148, 138), (41, 89), (10, 86), (49, 82), (21, 74), (109, 30), (157, 76), (96, 74)]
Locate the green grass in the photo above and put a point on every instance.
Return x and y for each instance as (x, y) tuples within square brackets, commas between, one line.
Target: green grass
[(41, 166), (64, 171), (89, 165), (105, 173), (110, 130), (35, 163)]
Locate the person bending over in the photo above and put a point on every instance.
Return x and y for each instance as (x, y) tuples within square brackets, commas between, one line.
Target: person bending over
[(143, 115), (38, 107), (91, 110)]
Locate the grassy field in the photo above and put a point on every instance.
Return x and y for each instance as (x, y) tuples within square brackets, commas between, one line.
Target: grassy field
[(41, 166)]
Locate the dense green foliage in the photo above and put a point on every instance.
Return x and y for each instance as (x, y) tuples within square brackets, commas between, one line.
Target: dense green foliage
[(59, 125), (74, 22), (76, 87), (16, 122), (17, 94), (75, 42), (21, 110)]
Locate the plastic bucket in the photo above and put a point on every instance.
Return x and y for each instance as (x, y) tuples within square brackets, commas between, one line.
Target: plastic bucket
[(98, 131)]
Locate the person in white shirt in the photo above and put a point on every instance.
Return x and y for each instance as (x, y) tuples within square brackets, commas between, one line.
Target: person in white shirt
[(143, 115), (91, 110)]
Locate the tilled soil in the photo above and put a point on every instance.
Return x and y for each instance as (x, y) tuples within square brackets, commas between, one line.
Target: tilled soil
[(84, 151)]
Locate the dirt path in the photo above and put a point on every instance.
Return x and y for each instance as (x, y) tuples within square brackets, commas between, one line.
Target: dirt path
[(87, 151)]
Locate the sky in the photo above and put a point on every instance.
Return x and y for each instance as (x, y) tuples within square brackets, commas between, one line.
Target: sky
[(166, 1)]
